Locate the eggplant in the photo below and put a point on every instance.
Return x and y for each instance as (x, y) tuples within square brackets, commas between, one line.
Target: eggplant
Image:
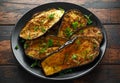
[(42, 47), (81, 52), (90, 31), (40, 23), (71, 21)]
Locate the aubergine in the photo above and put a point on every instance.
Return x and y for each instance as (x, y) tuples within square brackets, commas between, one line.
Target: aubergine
[(90, 31), (41, 47), (81, 52), (71, 21), (40, 23)]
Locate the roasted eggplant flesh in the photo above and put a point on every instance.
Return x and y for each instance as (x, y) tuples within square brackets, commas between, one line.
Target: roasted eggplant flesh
[(72, 20), (90, 31), (82, 51), (42, 47), (61, 40), (40, 23)]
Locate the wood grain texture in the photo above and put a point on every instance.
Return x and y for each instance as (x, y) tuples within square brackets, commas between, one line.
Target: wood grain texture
[(11, 11), (102, 74), (108, 11), (112, 55)]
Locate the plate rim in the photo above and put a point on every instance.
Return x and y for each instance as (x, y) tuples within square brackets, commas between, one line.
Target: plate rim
[(53, 78)]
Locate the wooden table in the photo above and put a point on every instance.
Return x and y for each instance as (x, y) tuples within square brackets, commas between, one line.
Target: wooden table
[(108, 11)]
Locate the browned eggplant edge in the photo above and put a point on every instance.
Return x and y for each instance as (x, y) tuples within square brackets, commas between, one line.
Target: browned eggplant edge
[(73, 68)]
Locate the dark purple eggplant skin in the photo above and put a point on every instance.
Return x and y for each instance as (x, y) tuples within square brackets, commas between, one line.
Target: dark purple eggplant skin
[(72, 20)]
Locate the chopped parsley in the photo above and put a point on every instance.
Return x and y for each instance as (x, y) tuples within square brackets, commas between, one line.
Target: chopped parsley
[(26, 46), (91, 56), (75, 25), (43, 29), (81, 25), (68, 32), (29, 36), (51, 16), (65, 72), (89, 21), (50, 43), (94, 45), (42, 50), (16, 47), (61, 9), (36, 63), (36, 28), (74, 56)]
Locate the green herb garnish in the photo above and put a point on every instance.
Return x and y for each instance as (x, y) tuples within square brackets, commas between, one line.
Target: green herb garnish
[(51, 16), (74, 56), (65, 72), (75, 25), (36, 63), (68, 32), (61, 9), (16, 47), (81, 25), (26, 46), (29, 36), (50, 43), (36, 28), (91, 56), (94, 45), (89, 21), (43, 29), (42, 50)]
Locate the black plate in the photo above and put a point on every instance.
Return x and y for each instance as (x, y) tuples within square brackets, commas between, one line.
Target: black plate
[(25, 62)]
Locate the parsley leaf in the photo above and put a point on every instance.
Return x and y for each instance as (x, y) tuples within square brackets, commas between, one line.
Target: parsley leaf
[(36, 63), (42, 50), (68, 32), (51, 16), (74, 56), (26, 46), (50, 43), (75, 25), (89, 21), (36, 28), (43, 29), (16, 47)]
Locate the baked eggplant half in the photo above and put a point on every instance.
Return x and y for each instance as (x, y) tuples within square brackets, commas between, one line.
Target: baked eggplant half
[(41, 47), (72, 20), (82, 51), (90, 31), (40, 23)]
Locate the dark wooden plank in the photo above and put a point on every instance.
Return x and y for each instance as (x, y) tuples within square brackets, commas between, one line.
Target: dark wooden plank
[(16, 74), (112, 55), (86, 3), (107, 11), (6, 56), (102, 74)]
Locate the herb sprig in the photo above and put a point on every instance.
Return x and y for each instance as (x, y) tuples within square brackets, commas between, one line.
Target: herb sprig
[(68, 32), (89, 21), (34, 64), (51, 16)]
